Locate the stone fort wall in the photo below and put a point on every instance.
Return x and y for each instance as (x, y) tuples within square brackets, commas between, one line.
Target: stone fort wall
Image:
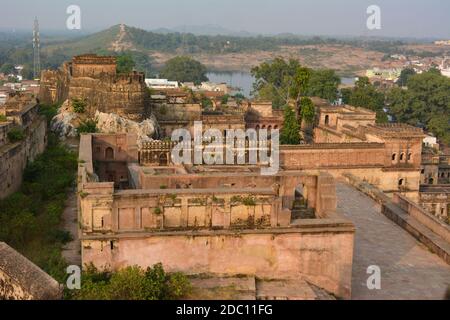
[(14, 157), (93, 79)]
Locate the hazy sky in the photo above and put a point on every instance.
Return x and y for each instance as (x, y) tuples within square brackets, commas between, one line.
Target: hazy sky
[(409, 18)]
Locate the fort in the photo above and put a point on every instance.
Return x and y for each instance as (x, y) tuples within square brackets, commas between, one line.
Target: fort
[(93, 79), (138, 206)]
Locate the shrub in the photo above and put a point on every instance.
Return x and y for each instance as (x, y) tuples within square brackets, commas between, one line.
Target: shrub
[(88, 126), (78, 106), (131, 283), (3, 118), (49, 111), (16, 135)]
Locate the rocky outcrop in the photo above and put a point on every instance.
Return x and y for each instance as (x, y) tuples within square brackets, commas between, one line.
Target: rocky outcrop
[(66, 122), (113, 123)]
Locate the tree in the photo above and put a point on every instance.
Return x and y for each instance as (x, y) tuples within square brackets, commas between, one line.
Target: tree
[(184, 69), (404, 76), (426, 102), (27, 72), (290, 133), (440, 126), (307, 110), (365, 95), (324, 84), (8, 68), (281, 81), (125, 63)]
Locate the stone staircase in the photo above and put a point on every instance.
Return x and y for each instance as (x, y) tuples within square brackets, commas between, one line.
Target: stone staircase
[(300, 210)]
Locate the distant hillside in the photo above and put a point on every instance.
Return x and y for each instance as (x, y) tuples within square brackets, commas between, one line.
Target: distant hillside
[(123, 38)]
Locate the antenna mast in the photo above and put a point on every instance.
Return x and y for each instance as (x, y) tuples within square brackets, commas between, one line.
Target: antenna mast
[(36, 50)]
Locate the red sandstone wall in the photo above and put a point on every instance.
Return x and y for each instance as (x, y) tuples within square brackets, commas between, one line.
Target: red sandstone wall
[(322, 257)]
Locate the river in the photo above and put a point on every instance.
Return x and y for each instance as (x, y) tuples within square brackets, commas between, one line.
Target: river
[(244, 80)]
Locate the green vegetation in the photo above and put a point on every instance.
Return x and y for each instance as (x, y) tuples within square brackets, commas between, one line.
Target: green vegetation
[(49, 111), (131, 283), (280, 81), (8, 68), (3, 118), (78, 106), (206, 102), (16, 135), (365, 95), (184, 69), (307, 110), (283, 81), (125, 63), (87, 126), (290, 133), (404, 76), (30, 219), (324, 84), (425, 103)]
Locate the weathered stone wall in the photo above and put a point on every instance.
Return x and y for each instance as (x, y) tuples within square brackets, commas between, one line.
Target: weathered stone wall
[(14, 157), (436, 200), (94, 80), (125, 95), (20, 279), (54, 85), (318, 252), (139, 210)]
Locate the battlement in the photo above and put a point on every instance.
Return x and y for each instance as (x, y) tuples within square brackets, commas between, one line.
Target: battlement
[(94, 59), (92, 65)]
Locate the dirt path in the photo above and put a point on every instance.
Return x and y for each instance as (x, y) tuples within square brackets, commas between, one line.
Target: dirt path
[(71, 251)]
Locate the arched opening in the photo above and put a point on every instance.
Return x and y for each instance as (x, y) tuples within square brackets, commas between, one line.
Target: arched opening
[(402, 156), (401, 182), (109, 153), (409, 156), (163, 161), (257, 127), (431, 181), (275, 127), (327, 120), (394, 156)]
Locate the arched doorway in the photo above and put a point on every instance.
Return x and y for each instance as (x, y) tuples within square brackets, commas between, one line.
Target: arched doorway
[(300, 209), (163, 160), (109, 153)]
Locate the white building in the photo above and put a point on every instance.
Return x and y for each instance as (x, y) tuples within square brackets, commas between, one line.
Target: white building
[(430, 141), (161, 84)]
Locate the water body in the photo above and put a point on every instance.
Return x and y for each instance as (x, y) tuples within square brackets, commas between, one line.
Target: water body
[(244, 80), (239, 80)]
